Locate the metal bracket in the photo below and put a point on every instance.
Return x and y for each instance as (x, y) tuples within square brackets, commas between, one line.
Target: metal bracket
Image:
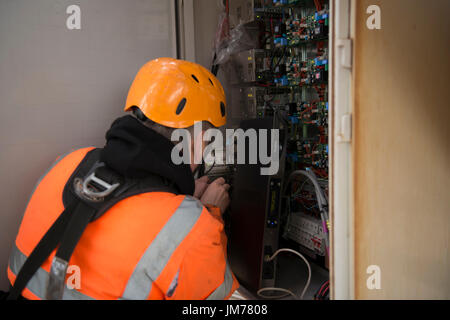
[(56, 279), (345, 47), (345, 136)]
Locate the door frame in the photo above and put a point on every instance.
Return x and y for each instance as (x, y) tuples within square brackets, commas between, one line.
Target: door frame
[(184, 29), (341, 175)]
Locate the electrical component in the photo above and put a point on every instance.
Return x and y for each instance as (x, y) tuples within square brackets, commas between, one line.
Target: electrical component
[(255, 216), (252, 66), (284, 78), (245, 11), (322, 203), (306, 231), (250, 101)]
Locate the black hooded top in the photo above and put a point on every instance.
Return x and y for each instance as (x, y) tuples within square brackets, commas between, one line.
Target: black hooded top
[(135, 151)]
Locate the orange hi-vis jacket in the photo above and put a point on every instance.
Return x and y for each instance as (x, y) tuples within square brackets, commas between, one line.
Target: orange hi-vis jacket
[(154, 245)]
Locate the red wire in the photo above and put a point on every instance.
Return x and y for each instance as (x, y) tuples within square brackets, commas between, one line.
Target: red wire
[(325, 290), (318, 5), (321, 288)]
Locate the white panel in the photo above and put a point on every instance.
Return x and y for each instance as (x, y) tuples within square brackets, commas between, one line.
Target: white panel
[(342, 230)]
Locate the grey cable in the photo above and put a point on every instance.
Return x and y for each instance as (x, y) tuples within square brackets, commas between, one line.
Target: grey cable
[(288, 292)]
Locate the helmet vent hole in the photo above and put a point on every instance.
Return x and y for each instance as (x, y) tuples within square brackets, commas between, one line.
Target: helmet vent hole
[(195, 78), (222, 109), (211, 82), (181, 106)]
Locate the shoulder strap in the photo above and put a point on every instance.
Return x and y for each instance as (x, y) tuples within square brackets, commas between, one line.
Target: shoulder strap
[(91, 165), (40, 253), (91, 190)]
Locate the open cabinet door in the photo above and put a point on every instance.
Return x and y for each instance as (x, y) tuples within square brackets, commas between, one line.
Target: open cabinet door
[(401, 150)]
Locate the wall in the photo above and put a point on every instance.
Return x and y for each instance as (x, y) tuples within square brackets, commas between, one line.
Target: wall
[(206, 16), (402, 149), (61, 88)]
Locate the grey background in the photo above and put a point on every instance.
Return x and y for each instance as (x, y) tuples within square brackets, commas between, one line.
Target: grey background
[(61, 89), (206, 19)]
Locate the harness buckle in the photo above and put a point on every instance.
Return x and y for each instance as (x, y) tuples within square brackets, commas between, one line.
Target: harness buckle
[(90, 191)]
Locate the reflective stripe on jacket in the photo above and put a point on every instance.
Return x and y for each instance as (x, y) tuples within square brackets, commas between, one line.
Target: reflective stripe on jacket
[(150, 246)]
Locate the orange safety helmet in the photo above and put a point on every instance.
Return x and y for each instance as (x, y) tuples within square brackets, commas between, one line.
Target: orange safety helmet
[(177, 93)]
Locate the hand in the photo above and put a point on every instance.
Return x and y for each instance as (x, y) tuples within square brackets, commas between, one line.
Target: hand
[(217, 195), (200, 186)]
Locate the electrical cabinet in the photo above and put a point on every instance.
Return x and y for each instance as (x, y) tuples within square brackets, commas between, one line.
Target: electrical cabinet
[(281, 83), (365, 110)]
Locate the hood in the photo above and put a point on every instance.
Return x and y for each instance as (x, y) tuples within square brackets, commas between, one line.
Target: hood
[(136, 151)]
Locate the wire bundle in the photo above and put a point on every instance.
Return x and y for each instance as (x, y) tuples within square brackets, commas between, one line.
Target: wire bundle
[(324, 292), (322, 201)]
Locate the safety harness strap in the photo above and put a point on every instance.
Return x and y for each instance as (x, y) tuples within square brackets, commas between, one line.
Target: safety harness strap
[(81, 217), (40, 253), (85, 200)]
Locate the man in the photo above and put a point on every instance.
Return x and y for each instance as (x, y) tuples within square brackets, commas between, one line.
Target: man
[(162, 244)]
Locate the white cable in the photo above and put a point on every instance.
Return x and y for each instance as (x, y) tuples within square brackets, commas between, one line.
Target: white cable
[(282, 289), (259, 293), (321, 200)]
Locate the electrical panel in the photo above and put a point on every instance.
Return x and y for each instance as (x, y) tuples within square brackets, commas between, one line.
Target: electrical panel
[(245, 11), (307, 231), (289, 74), (286, 78)]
